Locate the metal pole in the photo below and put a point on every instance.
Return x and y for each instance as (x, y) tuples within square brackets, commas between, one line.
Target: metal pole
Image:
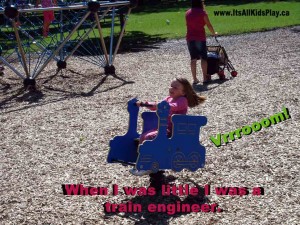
[(33, 40), (63, 43), (61, 30), (11, 67), (101, 38), (112, 35), (121, 36), (85, 35), (20, 47)]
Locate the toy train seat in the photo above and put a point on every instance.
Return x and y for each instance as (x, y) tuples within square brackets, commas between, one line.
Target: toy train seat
[(181, 151)]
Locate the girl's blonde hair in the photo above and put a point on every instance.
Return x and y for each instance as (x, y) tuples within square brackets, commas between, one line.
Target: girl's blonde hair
[(190, 94)]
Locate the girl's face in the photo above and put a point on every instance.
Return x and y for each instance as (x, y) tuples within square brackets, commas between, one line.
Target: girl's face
[(176, 89)]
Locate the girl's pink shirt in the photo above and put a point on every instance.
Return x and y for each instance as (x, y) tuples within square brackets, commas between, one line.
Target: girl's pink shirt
[(195, 25), (177, 106)]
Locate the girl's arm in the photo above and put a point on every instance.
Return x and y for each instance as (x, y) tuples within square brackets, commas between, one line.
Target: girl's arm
[(150, 105), (180, 104), (153, 106), (209, 26)]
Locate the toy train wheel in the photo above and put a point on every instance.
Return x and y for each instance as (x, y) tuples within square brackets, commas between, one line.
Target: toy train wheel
[(194, 159), (234, 73), (221, 73), (178, 161), (155, 167)]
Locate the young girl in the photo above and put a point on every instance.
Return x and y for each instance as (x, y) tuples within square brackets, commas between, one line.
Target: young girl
[(48, 15), (196, 20), (181, 96)]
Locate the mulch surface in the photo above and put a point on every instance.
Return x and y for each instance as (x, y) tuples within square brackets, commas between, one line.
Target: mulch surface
[(60, 135)]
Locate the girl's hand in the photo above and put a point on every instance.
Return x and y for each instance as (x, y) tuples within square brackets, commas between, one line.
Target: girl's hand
[(138, 103)]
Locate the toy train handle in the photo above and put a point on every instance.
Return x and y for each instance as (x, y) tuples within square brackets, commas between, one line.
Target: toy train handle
[(142, 104)]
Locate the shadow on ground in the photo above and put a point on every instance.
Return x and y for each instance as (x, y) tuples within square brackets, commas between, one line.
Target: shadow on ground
[(136, 41), (173, 205), (132, 41), (200, 87), (63, 85)]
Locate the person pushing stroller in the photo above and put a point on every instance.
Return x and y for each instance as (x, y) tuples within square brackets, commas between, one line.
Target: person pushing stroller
[(196, 20)]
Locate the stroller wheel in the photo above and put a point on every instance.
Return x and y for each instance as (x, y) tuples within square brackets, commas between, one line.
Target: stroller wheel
[(234, 73), (222, 77), (221, 73)]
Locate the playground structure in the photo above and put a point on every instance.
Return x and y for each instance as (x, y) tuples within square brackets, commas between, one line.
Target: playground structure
[(181, 151), (77, 30)]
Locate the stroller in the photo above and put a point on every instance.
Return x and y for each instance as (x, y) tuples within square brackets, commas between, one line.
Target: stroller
[(217, 61)]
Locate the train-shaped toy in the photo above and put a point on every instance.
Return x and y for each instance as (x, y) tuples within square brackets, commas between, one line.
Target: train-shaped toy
[(182, 150)]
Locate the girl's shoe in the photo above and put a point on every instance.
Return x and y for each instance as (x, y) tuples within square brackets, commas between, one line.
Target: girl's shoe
[(196, 81), (207, 80)]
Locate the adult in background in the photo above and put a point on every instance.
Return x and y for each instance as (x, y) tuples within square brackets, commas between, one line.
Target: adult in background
[(48, 15), (196, 19)]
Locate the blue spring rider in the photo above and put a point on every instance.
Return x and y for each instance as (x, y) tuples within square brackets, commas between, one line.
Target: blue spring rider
[(181, 151)]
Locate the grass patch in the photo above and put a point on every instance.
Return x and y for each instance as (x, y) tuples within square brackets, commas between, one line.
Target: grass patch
[(156, 22), (152, 24)]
